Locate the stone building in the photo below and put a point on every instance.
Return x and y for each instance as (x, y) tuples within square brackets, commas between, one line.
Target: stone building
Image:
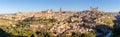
[(94, 9)]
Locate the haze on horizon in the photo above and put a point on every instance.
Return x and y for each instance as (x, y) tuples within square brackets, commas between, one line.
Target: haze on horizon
[(12, 6)]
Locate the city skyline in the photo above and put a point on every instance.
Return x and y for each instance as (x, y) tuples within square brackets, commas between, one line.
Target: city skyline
[(13, 6)]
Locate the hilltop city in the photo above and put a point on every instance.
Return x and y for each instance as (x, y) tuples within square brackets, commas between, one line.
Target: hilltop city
[(49, 23)]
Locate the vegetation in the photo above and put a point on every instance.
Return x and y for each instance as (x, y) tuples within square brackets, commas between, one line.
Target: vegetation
[(45, 27), (90, 34), (44, 33), (69, 21), (116, 30), (52, 20), (71, 34), (108, 21), (78, 34), (23, 23)]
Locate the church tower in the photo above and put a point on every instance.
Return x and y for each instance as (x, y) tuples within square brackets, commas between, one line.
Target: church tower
[(60, 10)]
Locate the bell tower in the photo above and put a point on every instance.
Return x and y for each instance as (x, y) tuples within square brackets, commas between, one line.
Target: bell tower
[(60, 10)]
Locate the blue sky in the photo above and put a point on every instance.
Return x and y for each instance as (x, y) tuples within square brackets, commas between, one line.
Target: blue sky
[(12, 6)]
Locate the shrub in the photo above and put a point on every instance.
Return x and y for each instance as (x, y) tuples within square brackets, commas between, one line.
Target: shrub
[(52, 20), (116, 31), (44, 33), (90, 34)]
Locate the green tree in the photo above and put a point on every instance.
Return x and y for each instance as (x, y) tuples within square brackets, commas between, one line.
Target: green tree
[(116, 30), (52, 20), (23, 23), (44, 33), (90, 34), (76, 34), (22, 32)]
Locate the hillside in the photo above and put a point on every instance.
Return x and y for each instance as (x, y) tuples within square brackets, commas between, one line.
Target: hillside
[(58, 24)]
